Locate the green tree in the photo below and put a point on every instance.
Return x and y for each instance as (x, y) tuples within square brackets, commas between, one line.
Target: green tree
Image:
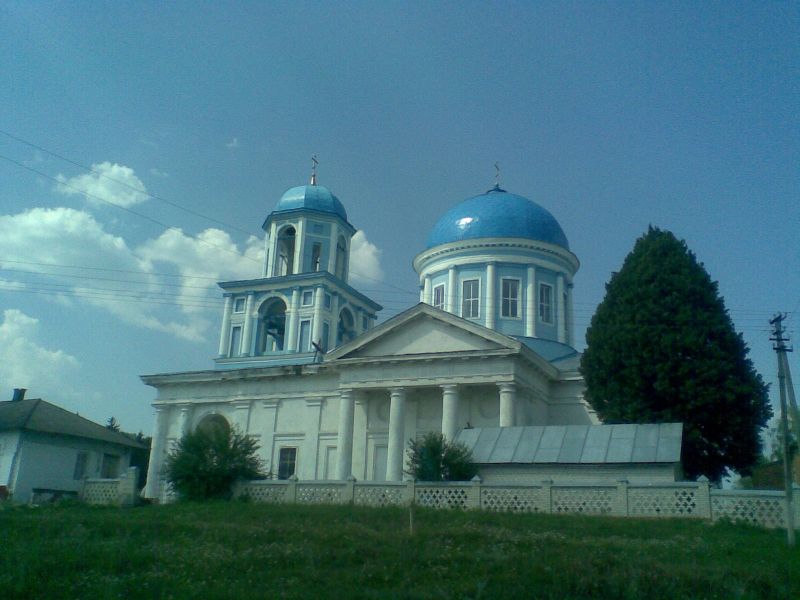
[(112, 424), (206, 463), (661, 347), (434, 458)]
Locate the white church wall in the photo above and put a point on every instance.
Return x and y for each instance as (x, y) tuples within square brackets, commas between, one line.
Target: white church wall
[(8, 448)]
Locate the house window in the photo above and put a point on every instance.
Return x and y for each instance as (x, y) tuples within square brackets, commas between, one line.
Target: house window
[(110, 469), (509, 306), (287, 462), (81, 461), (438, 296), (305, 336), (236, 341), (546, 303), (316, 252), (238, 305), (308, 298), (470, 303)]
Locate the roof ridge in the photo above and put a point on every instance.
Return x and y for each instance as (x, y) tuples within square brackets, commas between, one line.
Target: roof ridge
[(36, 402)]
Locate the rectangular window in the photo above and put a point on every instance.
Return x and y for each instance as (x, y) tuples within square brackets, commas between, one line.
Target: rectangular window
[(308, 298), (236, 341), (304, 345), (287, 462), (110, 468), (438, 296), (316, 252), (326, 333), (510, 299), (364, 323), (470, 302), (327, 301), (546, 303), (81, 461), (238, 305)]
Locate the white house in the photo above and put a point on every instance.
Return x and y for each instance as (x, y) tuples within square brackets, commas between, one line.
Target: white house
[(46, 451), (485, 357)]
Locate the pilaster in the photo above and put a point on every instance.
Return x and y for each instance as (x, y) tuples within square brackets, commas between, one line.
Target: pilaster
[(452, 291), (344, 439), (508, 397), (225, 331), (530, 303), (450, 401), (247, 334), (491, 285)]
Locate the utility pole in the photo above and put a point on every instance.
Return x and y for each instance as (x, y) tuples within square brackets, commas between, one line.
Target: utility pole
[(781, 350)]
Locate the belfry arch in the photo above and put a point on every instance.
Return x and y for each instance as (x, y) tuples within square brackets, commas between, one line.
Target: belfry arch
[(271, 334)]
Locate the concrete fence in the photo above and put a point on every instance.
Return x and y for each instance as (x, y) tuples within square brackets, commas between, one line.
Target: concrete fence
[(682, 499), (115, 492)]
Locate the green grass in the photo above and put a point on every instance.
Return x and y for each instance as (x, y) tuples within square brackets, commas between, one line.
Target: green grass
[(241, 550)]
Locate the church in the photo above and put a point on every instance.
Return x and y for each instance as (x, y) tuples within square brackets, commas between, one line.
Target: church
[(486, 357)]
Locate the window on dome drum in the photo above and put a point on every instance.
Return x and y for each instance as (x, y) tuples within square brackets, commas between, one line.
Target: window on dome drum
[(546, 303), (438, 296), (316, 252), (470, 299), (284, 262), (287, 462), (238, 305), (326, 333), (510, 298), (308, 298), (236, 341)]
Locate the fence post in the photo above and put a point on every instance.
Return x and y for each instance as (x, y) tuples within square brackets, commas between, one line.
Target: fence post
[(622, 498), (349, 496), (411, 492), (474, 493), (291, 490), (704, 498), (547, 492)]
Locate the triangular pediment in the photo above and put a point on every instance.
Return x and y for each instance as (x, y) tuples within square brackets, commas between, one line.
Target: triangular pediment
[(424, 330)]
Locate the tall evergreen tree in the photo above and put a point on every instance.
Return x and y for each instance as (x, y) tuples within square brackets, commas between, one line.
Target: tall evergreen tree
[(661, 347)]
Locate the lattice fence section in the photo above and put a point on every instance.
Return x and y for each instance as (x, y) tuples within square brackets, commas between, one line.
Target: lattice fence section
[(442, 497), (662, 502), (270, 492), (514, 499), (369, 495), (590, 501), (319, 494), (101, 491), (761, 510)]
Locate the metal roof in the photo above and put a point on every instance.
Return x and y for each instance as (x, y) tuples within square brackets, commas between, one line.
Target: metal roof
[(575, 444), (35, 414)]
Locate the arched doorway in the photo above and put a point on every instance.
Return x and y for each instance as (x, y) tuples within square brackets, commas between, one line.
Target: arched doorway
[(284, 259), (214, 424), (346, 330), (271, 326)]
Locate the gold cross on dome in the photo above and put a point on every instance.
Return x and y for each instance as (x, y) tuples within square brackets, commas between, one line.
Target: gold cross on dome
[(314, 163)]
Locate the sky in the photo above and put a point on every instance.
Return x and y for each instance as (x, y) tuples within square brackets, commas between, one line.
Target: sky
[(142, 144)]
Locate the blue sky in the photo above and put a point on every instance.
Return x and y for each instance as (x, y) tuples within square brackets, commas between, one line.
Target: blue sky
[(612, 116)]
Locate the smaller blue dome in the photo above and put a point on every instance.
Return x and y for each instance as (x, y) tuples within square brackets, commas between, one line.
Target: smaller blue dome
[(311, 197), (500, 214)]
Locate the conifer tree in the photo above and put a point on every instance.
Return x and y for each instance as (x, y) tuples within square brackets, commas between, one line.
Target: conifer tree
[(662, 348)]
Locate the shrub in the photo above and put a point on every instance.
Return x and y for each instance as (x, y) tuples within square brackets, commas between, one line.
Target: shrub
[(435, 458), (207, 462)]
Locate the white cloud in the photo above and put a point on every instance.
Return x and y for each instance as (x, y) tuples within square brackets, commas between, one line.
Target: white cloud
[(25, 363), (107, 182), (158, 173), (234, 143), (365, 260)]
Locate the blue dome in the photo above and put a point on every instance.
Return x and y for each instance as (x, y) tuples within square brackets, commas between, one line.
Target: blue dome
[(497, 214), (311, 197)]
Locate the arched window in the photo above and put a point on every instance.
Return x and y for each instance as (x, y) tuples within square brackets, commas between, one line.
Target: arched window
[(284, 260), (341, 258), (271, 326), (346, 330), (214, 424)]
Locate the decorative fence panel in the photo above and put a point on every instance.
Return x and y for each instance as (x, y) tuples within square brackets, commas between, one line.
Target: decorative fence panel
[(682, 499), (119, 492)]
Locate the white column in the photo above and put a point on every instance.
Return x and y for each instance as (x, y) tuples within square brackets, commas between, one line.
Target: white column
[(560, 312), (273, 248), (426, 290), (344, 438), (319, 295), (530, 304), (247, 334), (333, 244), (452, 292), (184, 419), (152, 488), (397, 419), (360, 439), (299, 245), (508, 396), (225, 332), (491, 288), (294, 317), (570, 324), (450, 411)]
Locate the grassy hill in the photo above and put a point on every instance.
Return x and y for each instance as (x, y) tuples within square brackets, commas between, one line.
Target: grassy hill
[(239, 550)]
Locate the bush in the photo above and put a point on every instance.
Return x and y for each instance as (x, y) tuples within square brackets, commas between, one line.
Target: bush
[(434, 458), (207, 462)]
